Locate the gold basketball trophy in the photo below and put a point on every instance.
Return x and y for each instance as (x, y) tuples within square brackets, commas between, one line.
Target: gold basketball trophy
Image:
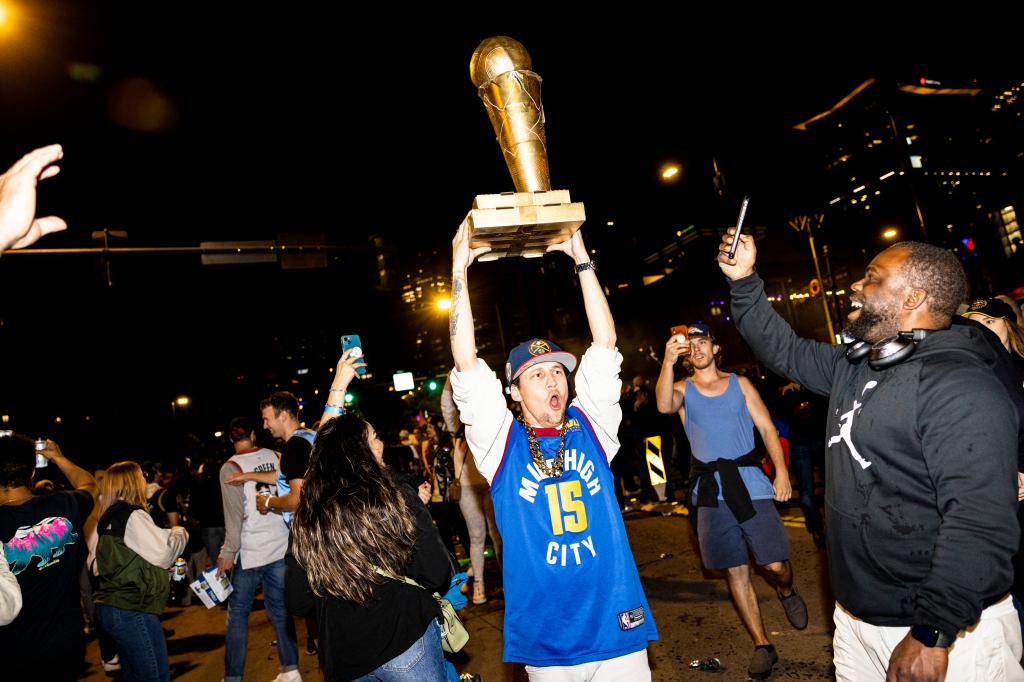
[(527, 221)]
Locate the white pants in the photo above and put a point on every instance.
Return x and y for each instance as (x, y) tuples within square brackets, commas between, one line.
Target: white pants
[(988, 651), (629, 668)]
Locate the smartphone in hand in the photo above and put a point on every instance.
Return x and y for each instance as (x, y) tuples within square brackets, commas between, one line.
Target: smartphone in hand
[(739, 228), (354, 343)]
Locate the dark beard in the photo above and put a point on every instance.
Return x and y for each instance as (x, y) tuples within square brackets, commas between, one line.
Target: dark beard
[(872, 326)]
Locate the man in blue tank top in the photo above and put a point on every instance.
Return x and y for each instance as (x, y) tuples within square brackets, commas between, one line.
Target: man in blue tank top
[(574, 606), (730, 490)]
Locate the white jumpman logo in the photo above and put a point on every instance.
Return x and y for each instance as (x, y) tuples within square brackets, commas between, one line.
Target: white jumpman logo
[(846, 426)]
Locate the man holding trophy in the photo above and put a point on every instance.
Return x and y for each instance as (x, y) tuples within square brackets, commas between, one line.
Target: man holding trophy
[(574, 605)]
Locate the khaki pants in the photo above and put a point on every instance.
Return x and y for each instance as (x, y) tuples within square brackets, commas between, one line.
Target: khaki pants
[(989, 651)]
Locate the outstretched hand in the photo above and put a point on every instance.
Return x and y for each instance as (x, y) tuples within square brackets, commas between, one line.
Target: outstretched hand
[(18, 225)]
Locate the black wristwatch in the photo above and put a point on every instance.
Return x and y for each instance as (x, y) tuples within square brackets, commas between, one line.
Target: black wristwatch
[(930, 637)]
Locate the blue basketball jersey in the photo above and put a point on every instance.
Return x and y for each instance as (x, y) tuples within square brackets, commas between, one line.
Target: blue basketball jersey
[(282, 485), (572, 591)]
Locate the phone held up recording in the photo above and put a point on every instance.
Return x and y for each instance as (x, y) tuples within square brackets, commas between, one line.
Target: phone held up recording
[(354, 343)]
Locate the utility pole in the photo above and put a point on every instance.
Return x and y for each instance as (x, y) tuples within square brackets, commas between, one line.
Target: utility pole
[(804, 223)]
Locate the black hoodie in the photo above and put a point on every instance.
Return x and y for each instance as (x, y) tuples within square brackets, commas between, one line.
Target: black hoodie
[(920, 469)]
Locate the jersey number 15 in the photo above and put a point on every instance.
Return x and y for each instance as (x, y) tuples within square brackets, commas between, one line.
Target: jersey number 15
[(568, 513)]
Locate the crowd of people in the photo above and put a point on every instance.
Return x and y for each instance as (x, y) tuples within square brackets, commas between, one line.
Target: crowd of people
[(918, 420)]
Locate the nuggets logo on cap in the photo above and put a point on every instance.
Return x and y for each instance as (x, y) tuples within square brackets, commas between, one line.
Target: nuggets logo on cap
[(539, 347)]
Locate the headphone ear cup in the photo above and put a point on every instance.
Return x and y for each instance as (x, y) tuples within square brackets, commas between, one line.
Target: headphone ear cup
[(890, 351), (857, 351)]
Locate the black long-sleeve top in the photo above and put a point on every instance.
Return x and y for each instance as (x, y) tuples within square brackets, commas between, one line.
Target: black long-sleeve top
[(355, 640), (920, 469)]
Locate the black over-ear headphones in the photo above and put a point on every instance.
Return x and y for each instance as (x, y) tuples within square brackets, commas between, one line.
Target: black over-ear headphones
[(887, 352)]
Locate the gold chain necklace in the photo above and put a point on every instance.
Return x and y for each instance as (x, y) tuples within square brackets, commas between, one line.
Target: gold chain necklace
[(558, 464)]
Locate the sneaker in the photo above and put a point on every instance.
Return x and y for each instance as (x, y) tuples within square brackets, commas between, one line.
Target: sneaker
[(290, 676), (311, 647), (479, 595), (112, 665), (763, 661), (796, 609)]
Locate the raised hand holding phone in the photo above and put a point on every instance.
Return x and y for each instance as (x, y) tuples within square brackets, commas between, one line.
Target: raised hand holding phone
[(739, 228), (353, 345)]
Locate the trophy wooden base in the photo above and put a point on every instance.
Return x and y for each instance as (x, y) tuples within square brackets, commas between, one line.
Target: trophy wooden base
[(523, 223)]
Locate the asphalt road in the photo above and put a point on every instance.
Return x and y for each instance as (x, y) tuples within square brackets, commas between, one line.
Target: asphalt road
[(692, 608)]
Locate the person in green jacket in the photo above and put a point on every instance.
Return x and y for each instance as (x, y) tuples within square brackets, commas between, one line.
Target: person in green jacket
[(132, 558)]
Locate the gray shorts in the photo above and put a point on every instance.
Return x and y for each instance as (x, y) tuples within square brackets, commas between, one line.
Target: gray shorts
[(724, 541)]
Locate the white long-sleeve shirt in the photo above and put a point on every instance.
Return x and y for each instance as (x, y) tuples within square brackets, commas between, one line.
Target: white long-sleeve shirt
[(480, 398), (159, 546)]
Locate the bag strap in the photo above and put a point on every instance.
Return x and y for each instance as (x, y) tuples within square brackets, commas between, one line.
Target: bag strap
[(400, 578)]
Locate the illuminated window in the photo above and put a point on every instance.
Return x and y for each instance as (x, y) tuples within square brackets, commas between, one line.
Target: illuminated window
[(1009, 228)]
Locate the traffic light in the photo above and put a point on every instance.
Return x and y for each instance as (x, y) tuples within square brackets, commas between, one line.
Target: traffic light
[(432, 385), (349, 398)]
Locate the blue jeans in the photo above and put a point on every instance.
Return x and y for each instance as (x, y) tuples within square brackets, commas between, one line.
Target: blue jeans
[(422, 662), (802, 459), (213, 538), (244, 582), (140, 643)]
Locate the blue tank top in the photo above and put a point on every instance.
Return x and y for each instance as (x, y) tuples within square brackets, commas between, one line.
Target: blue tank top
[(720, 427), (572, 591), (282, 485)]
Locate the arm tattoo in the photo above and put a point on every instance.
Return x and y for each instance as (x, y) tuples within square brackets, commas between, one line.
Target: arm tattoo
[(457, 287)]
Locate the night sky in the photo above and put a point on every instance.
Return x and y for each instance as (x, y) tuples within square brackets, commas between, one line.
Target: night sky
[(186, 122)]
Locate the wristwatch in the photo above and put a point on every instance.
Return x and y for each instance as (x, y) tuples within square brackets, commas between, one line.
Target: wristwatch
[(589, 265), (930, 637)]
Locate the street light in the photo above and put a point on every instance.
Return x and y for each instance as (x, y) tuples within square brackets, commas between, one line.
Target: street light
[(180, 401), (444, 304), (670, 172), (890, 233)]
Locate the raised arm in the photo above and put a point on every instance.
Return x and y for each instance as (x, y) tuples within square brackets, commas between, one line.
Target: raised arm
[(808, 362), (460, 327), (79, 478), (343, 375), (668, 392), (599, 315)]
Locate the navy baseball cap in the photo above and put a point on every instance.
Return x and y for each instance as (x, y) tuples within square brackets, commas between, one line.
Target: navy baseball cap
[(699, 329), (533, 351)]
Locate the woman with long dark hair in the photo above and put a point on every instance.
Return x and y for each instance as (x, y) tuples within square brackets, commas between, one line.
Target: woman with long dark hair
[(357, 533)]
